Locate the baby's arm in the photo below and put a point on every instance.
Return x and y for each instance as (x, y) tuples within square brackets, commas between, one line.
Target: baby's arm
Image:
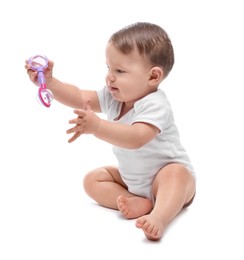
[(126, 136), (72, 96), (65, 93)]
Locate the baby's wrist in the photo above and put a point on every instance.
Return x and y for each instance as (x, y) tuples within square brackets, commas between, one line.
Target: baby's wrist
[(49, 82), (98, 127)]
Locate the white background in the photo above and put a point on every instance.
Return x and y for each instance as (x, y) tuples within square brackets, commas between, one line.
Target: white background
[(44, 211)]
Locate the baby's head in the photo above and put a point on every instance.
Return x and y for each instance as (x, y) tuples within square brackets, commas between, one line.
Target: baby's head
[(150, 40)]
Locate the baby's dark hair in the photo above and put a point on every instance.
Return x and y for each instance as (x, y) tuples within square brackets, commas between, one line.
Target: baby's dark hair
[(150, 40)]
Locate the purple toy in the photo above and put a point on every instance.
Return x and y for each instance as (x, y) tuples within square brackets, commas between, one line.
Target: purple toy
[(39, 63)]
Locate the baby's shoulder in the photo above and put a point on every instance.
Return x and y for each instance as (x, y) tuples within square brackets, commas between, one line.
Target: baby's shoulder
[(157, 99)]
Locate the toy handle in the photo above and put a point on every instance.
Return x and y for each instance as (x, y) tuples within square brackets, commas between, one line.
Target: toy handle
[(41, 77)]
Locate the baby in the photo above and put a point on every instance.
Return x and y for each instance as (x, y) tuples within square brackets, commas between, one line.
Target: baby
[(154, 178)]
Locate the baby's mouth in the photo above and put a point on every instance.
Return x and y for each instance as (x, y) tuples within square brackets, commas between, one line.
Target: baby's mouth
[(113, 89)]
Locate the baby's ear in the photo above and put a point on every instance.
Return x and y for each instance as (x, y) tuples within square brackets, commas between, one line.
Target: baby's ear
[(156, 76)]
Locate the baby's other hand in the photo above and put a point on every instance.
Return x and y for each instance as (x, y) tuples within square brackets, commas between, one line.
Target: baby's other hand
[(87, 122)]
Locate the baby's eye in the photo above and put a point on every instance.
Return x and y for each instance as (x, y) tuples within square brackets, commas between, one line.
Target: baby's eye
[(120, 71)]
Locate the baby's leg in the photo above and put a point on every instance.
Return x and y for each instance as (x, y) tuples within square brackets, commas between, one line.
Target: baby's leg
[(105, 185), (173, 187)]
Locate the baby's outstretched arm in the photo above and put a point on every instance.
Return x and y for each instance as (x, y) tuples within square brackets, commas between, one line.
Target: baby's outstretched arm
[(65, 93)]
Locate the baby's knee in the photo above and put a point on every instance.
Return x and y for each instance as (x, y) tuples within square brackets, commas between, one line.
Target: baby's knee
[(89, 179), (95, 176)]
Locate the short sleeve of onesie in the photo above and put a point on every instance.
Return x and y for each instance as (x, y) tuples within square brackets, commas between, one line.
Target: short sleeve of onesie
[(105, 99), (154, 109), (108, 105)]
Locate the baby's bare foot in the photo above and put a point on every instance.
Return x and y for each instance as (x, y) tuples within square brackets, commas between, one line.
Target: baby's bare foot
[(133, 207), (152, 226)]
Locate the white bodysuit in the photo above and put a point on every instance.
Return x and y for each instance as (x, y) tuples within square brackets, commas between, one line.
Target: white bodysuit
[(138, 167)]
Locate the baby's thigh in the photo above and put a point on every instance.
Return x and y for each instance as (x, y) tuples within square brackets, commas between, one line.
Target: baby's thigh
[(177, 177), (104, 174)]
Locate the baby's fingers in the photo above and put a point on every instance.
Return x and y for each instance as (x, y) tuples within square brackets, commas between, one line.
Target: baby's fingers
[(31, 73), (77, 128), (78, 121), (80, 113), (74, 137), (74, 121)]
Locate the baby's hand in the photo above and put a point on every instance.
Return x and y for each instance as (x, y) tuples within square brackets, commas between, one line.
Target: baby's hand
[(33, 74), (87, 122)]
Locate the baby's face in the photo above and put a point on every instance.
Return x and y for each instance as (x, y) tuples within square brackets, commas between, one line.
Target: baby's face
[(128, 75)]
